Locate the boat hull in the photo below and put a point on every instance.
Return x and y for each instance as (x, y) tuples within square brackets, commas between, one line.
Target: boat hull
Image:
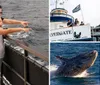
[(76, 33)]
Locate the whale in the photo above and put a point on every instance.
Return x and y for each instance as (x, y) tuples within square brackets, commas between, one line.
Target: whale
[(76, 65)]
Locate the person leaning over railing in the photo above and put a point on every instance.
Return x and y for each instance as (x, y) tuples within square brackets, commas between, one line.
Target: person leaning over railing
[(76, 22), (9, 30), (82, 23), (69, 23)]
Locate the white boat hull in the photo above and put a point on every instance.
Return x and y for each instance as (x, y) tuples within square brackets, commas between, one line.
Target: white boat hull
[(61, 33)]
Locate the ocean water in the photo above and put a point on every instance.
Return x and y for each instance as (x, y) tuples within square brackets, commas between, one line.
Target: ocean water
[(36, 13), (91, 75)]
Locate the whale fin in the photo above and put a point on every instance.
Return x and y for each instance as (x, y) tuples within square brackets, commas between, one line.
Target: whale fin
[(62, 58)]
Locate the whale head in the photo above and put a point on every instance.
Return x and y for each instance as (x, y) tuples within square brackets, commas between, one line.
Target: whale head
[(87, 59)]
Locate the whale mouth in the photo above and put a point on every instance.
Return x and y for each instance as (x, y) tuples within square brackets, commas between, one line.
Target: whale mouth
[(95, 56)]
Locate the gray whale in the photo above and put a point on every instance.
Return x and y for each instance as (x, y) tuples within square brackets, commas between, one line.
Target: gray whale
[(76, 65)]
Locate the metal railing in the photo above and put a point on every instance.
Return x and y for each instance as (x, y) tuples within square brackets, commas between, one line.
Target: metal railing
[(19, 69)]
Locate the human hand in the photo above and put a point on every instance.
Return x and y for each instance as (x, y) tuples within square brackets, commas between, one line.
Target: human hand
[(26, 29), (24, 23)]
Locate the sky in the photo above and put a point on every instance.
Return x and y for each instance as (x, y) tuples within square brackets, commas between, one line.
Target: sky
[(89, 13)]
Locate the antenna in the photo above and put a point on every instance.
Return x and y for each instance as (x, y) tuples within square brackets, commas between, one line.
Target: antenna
[(56, 3)]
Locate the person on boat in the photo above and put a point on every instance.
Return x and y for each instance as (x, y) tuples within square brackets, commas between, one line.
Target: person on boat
[(8, 31), (82, 23), (76, 22), (69, 23)]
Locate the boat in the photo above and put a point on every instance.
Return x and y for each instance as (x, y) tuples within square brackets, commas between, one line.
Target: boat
[(59, 31), (96, 33)]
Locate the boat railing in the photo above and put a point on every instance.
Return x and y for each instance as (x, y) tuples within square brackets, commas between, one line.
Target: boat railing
[(66, 27), (20, 69)]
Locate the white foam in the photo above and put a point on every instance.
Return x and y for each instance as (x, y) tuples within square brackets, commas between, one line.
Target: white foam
[(53, 68), (83, 74)]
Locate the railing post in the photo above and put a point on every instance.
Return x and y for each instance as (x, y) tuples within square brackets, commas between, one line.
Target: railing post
[(1, 74), (25, 66)]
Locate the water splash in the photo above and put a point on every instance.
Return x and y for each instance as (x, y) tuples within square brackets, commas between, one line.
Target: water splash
[(83, 74), (23, 35), (53, 68)]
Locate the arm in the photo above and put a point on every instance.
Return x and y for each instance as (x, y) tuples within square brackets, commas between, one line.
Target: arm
[(10, 21), (12, 30)]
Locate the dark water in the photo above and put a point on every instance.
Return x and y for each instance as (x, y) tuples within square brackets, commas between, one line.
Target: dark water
[(36, 13), (70, 50)]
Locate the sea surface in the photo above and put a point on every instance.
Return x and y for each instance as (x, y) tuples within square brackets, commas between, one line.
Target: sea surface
[(71, 50), (36, 13)]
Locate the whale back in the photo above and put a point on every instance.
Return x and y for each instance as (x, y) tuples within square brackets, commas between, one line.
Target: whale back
[(75, 65)]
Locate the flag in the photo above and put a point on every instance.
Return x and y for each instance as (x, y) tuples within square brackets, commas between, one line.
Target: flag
[(76, 9)]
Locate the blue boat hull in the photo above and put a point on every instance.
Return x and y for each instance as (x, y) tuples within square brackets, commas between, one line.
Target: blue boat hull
[(59, 19)]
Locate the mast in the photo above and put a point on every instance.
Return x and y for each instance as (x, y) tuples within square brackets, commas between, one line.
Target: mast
[(56, 4)]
